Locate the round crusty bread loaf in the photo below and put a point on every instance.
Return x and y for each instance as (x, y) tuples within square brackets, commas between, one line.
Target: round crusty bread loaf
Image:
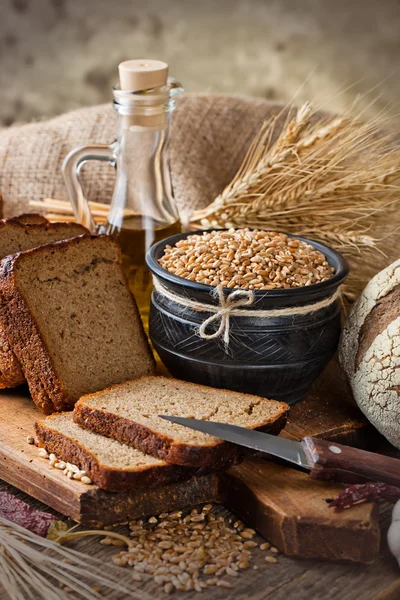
[(370, 352)]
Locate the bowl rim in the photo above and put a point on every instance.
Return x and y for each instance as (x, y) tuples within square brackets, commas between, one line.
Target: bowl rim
[(334, 258)]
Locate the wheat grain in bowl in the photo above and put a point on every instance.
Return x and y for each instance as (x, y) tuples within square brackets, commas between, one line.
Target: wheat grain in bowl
[(249, 259)]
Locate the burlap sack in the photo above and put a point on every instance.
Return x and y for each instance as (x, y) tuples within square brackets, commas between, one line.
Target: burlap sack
[(209, 138)]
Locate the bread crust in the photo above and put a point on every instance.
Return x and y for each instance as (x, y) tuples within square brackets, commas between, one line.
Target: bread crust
[(29, 219), (26, 342), (22, 331), (218, 455), (106, 478), (377, 289), (369, 352), (43, 225), (11, 374)]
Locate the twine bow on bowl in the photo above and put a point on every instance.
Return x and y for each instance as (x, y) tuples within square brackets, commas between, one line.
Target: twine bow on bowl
[(227, 304)]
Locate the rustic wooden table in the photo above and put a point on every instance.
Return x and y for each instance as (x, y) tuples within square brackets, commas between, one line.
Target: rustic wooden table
[(288, 579)]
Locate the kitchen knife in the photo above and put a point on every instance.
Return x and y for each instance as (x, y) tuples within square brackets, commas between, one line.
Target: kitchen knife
[(324, 460)]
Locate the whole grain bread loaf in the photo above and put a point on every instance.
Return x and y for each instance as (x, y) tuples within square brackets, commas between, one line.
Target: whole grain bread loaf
[(17, 234), (370, 352), (129, 413), (112, 466), (71, 320)]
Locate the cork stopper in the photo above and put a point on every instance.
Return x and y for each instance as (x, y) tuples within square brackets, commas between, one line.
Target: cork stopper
[(142, 74)]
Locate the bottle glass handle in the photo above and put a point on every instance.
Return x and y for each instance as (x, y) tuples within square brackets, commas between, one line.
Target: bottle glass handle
[(71, 170)]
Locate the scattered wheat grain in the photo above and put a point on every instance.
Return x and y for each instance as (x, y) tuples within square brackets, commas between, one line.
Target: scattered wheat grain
[(270, 559)]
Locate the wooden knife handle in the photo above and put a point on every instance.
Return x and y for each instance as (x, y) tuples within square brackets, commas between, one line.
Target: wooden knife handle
[(349, 465)]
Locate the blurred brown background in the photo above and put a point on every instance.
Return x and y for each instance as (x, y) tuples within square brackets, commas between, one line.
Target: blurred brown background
[(57, 55)]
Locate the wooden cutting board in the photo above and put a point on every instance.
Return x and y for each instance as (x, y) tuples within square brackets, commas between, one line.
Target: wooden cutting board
[(284, 505), (329, 412)]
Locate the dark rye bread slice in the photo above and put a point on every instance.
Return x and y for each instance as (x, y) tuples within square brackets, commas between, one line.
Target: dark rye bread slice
[(11, 373), (112, 466), (71, 320), (18, 234), (129, 413), (31, 219)]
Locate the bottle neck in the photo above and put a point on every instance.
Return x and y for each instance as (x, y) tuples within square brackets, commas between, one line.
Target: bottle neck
[(143, 191), (143, 195), (146, 108)]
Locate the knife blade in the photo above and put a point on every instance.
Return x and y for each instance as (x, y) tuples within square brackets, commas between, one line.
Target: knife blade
[(288, 450), (324, 459)]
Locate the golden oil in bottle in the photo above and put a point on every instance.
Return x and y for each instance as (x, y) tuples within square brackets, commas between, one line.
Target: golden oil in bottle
[(134, 241)]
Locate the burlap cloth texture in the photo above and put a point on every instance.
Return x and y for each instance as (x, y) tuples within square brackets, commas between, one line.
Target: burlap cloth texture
[(210, 136)]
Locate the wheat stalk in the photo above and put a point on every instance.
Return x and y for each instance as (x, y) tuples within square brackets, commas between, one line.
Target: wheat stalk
[(32, 567), (329, 179), (320, 171)]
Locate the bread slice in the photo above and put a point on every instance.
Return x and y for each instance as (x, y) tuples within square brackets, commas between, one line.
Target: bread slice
[(71, 320), (31, 219), (112, 466), (18, 234), (129, 413)]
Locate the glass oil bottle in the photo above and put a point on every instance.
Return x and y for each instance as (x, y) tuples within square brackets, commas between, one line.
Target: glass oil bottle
[(142, 209)]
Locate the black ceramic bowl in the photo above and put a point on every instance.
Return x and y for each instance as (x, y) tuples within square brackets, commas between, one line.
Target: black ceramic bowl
[(276, 357)]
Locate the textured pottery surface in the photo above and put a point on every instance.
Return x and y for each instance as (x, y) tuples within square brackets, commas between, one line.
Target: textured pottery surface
[(276, 357)]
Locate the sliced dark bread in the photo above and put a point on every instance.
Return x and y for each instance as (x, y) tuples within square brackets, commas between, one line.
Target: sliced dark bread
[(18, 234), (31, 219), (11, 373), (113, 466), (129, 413), (71, 320)]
